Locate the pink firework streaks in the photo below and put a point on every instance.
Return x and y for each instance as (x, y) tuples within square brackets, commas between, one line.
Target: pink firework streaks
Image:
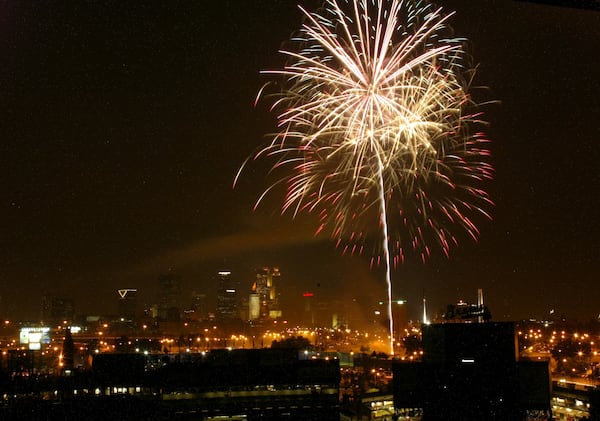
[(377, 132)]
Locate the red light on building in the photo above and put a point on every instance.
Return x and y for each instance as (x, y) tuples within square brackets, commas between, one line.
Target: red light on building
[(308, 294)]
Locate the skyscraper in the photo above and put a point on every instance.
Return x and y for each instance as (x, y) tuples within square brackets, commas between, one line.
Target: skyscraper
[(127, 304), (308, 314), (200, 312), (169, 291), (227, 298), (254, 307), (265, 286)]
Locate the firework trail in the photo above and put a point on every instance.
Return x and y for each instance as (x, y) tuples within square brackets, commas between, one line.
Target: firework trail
[(377, 131)]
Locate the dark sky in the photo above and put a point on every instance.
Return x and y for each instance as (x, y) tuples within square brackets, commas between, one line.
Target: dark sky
[(122, 127)]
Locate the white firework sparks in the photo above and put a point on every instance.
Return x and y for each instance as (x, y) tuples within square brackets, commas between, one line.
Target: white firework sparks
[(376, 132)]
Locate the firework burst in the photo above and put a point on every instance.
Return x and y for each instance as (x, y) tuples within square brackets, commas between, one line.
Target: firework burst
[(377, 132)]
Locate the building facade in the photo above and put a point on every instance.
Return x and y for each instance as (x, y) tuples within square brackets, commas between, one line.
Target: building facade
[(472, 371), (127, 304), (227, 297), (266, 287), (169, 293)]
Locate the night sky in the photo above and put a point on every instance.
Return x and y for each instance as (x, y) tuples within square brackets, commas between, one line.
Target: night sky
[(123, 126)]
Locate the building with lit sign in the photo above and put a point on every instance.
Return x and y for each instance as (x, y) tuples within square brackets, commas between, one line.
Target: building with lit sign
[(227, 297), (34, 337), (308, 313), (127, 304)]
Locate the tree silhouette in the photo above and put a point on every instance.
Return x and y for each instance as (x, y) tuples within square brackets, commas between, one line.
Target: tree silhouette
[(298, 342)]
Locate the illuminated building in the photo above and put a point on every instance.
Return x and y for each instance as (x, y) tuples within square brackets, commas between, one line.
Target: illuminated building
[(339, 320), (265, 286), (34, 337), (227, 297), (127, 304), (575, 399), (308, 315), (169, 292), (399, 313), (254, 307)]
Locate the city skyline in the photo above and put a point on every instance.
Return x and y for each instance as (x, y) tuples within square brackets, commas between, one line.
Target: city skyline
[(123, 128), (229, 303)]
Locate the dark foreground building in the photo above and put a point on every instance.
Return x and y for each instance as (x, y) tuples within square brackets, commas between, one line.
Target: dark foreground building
[(261, 384), (471, 371), (265, 384)]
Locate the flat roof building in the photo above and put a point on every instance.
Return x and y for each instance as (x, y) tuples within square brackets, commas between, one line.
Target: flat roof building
[(471, 371)]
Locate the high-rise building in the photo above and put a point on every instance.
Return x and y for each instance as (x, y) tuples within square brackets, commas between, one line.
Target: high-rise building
[(227, 297), (254, 307), (169, 292), (199, 309), (127, 304), (265, 286), (308, 313)]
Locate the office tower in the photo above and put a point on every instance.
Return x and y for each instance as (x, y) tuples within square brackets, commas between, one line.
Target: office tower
[(400, 315), (254, 307), (127, 304), (227, 298), (265, 286), (308, 313), (199, 309), (169, 292)]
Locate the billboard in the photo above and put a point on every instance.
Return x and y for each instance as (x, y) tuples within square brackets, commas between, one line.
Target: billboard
[(34, 337)]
